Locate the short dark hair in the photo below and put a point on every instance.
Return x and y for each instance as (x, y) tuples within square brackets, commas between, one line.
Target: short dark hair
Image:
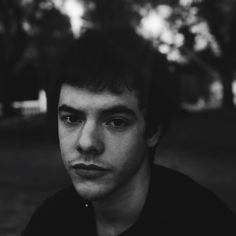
[(115, 59)]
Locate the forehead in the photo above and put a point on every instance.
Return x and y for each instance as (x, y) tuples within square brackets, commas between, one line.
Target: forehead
[(84, 98)]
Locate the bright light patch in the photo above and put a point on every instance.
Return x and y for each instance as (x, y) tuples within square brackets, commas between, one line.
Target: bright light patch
[(75, 10), (216, 90), (234, 90), (200, 43), (179, 39), (155, 26), (152, 25), (164, 31), (32, 107), (174, 55), (167, 37), (204, 38), (164, 48), (26, 26), (212, 102), (188, 2), (185, 2), (154, 22), (42, 101)]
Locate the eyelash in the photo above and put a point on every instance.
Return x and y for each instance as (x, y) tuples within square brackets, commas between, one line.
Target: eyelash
[(67, 119), (74, 120), (124, 123)]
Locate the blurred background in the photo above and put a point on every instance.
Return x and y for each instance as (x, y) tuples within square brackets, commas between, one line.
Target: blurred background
[(197, 37)]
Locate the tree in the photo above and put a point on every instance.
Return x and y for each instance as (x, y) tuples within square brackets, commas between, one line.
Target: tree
[(178, 23), (30, 31), (221, 17), (218, 54), (105, 13)]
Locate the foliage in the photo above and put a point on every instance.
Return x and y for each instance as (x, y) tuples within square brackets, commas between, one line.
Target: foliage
[(32, 33), (221, 17), (199, 33)]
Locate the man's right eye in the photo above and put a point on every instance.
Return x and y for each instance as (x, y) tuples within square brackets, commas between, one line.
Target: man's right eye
[(70, 119)]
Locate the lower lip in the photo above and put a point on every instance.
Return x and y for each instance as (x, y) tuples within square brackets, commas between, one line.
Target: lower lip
[(90, 174)]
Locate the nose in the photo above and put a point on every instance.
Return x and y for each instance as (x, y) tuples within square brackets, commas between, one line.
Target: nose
[(90, 139)]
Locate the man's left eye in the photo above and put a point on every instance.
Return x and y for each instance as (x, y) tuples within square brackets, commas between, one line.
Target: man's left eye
[(117, 123)]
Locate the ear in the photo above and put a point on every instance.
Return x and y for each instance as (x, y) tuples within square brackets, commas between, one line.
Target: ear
[(153, 140)]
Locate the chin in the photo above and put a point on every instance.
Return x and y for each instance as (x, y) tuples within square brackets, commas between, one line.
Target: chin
[(92, 193)]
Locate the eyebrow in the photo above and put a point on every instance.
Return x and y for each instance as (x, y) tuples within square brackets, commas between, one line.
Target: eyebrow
[(104, 111), (66, 108)]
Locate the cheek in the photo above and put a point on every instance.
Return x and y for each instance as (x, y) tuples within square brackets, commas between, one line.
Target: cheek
[(126, 157), (66, 143), (129, 147), (67, 138)]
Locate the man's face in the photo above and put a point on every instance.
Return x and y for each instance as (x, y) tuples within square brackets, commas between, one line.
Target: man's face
[(101, 140)]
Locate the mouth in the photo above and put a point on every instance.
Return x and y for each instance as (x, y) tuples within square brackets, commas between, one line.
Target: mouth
[(89, 171), (88, 167)]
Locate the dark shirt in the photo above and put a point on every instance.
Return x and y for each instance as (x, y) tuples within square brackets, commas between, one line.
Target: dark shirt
[(175, 205)]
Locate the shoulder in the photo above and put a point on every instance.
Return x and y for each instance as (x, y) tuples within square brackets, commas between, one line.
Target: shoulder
[(61, 201), (179, 188), (189, 202), (51, 215), (172, 181)]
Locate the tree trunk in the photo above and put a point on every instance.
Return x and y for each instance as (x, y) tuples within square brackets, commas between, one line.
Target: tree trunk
[(228, 96), (7, 108)]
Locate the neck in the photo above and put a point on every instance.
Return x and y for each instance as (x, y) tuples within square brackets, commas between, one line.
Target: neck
[(120, 210)]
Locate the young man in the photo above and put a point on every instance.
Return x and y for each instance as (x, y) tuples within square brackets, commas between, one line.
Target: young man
[(111, 100)]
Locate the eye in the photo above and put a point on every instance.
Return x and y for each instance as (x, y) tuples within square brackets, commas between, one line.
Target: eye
[(117, 123), (70, 119)]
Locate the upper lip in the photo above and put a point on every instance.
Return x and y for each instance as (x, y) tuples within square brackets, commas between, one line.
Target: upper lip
[(87, 166)]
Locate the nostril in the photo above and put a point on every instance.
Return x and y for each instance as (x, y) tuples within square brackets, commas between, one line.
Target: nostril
[(92, 150)]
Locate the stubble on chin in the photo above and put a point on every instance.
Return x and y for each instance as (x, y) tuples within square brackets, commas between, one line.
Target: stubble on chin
[(90, 190)]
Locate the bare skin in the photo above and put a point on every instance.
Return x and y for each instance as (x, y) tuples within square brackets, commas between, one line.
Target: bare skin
[(121, 210), (104, 149)]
